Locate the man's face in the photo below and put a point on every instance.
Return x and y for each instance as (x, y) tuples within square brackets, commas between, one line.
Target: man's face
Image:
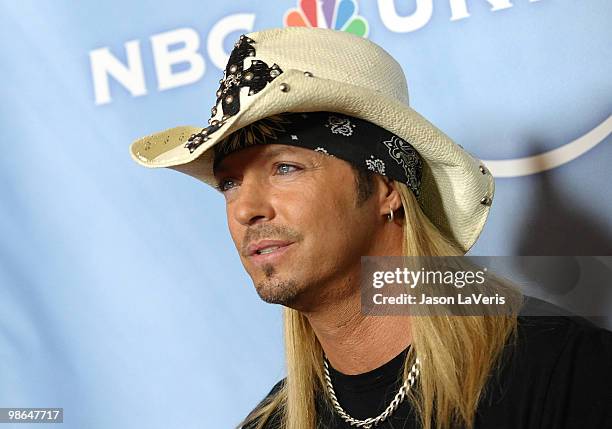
[(294, 218)]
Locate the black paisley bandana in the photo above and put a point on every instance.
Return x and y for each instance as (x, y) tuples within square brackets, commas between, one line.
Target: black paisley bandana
[(359, 142)]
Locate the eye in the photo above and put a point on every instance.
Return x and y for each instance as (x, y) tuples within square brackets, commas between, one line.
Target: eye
[(286, 168), (225, 185)]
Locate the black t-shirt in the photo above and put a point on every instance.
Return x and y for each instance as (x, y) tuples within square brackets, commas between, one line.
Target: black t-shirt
[(559, 376)]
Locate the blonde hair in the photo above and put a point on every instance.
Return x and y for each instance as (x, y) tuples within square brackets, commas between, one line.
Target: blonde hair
[(459, 351)]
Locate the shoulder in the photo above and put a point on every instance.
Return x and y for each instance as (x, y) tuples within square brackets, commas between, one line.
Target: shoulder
[(552, 337), (557, 374), (557, 344), (273, 422), (276, 387), (579, 389)]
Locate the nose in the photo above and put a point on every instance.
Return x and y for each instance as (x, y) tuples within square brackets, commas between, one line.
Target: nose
[(252, 204)]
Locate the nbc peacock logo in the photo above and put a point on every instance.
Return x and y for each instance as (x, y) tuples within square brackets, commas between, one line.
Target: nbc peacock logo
[(335, 14)]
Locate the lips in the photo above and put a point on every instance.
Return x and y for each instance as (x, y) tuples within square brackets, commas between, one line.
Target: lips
[(269, 252), (265, 247)]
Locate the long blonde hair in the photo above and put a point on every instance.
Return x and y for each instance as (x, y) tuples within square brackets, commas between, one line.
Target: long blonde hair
[(460, 351)]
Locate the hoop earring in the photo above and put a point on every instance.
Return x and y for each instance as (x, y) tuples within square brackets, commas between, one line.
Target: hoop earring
[(390, 215)]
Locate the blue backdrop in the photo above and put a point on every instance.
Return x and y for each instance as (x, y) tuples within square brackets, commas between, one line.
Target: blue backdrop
[(122, 299)]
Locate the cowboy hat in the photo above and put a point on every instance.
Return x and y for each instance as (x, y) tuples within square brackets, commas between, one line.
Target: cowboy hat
[(300, 69)]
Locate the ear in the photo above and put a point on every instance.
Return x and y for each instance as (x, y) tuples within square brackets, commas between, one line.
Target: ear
[(388, 197)]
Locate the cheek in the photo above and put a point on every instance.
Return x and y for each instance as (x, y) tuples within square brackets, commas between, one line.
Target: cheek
[(298, 209), (321, 216)]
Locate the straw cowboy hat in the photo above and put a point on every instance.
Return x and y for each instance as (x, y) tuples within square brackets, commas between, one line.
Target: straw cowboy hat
[(299, 69)]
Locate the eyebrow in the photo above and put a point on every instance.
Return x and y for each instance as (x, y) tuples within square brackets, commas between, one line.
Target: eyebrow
[(279, 150)]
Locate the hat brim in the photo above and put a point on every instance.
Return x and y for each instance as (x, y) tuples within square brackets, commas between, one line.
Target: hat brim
[(456, 189)]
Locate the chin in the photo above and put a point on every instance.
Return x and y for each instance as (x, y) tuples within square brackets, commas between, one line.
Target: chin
[(275, 291)]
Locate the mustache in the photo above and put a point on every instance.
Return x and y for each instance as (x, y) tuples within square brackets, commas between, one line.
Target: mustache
[(268, 232)]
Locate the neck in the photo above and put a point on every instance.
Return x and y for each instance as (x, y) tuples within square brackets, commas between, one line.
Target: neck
[(353, 342)]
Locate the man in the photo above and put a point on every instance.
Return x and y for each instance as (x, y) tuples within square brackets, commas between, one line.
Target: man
[(321, 161)]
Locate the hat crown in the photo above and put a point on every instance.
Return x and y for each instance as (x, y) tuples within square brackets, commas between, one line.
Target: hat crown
[(334, 55)]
